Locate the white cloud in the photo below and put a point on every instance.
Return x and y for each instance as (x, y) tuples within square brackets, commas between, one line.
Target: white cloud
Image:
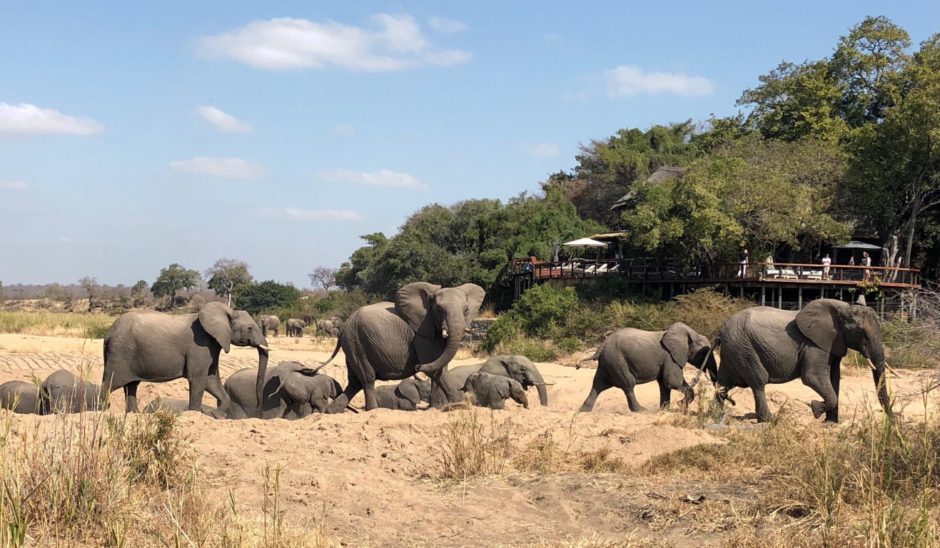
[(446, 26), (223, 121), (383, 177), (13, 185), (227, 168), (312, 214), (27, 119), (542, 150), (395, 43), (627, 80), (344, 129)]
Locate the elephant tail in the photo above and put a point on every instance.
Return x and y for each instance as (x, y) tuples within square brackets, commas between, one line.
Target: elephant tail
[(335, 352)]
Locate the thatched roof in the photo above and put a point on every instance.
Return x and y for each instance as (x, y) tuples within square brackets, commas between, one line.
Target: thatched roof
[(662, 175)]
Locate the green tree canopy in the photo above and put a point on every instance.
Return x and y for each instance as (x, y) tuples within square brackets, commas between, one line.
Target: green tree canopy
[(227, 277), (172, 279), (266, 296)]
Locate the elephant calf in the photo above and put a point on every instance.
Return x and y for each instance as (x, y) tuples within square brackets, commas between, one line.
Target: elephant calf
[(179, 406), (488, 390), (290, 391), (517, 367), (63, 392), (629, 357), (19, 397), (295, 327), (405, 396)]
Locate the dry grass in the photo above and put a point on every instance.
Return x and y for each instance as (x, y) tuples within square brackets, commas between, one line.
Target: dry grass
[(93, 479), (58, 324)]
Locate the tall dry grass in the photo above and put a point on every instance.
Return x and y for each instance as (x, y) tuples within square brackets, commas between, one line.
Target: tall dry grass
[(58, 324)]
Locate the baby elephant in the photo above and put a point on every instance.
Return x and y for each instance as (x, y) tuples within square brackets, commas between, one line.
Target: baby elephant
[(63, 392), (19, 397), (405, 396), (629, 357), (489, 390), (179, 406), (291, 391)]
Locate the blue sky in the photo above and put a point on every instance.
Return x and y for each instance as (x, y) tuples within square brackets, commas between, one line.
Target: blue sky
[(134, 135)]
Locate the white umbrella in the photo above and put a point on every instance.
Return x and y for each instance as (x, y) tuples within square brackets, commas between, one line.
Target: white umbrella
[(585, 242)]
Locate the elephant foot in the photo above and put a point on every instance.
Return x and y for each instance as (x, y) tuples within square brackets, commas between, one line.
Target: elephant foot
[(818, 408)]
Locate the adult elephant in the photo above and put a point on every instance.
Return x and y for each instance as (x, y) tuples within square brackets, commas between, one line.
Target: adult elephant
[(420, 331), (291, 391), (295, 327), (20, 397), (157, 347), (764, 345), (63, 392), (269, 324), (629, 357), (517, 367)]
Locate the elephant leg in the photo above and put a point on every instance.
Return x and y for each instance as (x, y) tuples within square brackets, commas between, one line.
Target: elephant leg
[(352, 388), (197, 387), (214, 386), (672, 379), (822, 384), (664, 394), (130, 396), (600, 384), (443, 390), (632, 402), (371, 401), (760, 404)]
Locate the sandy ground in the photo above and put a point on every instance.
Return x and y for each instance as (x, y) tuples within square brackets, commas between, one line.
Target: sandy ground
[(372, 476)]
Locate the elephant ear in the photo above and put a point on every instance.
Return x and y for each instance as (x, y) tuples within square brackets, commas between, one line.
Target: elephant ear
[(216, 320), (409, 391), (414, 302), (676, 341), (819, 322), (475, 295)]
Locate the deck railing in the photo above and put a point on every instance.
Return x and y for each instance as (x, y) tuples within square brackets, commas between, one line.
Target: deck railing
[(660, 270)]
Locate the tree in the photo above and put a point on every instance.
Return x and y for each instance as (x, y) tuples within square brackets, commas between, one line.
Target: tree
[(139, 292), (227, 277), (267, 296), (90, 284), (349, 274), (323, 277), (172, 279)]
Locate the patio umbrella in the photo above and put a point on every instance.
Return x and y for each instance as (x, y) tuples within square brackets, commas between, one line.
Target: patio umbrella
[(585, 242)]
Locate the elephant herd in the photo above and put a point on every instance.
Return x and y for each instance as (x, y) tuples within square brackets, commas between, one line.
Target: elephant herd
[(295, 327), (60, 392), (420, 331)]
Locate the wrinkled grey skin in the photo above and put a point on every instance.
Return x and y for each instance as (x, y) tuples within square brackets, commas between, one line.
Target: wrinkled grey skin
[(629, 357), (330, 327), (488, 390), (419, 332), (764, 345), (20, 397), (179, 406), (269, 324), (291, 391), (63, 392), (518, 367), (156, 347), (295, 327), (405, 396)]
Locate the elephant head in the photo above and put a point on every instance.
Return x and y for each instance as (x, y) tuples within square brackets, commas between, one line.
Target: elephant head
[(414, 390), (236, 327), (438, 314), (511, 388), (520, 368), (685, 345), (836, 326)]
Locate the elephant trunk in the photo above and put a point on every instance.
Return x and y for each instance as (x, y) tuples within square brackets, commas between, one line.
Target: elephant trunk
[(878, 370), (539, 382), (455, 335), (262, 370)]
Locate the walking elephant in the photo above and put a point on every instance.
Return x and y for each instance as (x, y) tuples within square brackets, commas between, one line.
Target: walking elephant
[(764, 345), (405, 396), (330, 327), (291, 391), (157, 347), (629, 357), (488, 390), (20, 397), (419, 332), (63, 392), (295, 327), (269, 324), (517, 367)]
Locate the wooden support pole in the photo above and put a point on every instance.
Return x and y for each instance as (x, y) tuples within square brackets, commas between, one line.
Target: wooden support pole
[(881, 305), (763, 295), (799, 297), (780, 297)]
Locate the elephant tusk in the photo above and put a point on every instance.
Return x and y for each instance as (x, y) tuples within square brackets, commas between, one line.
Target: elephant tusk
[(890, 369), (263, 347), (444, 333)]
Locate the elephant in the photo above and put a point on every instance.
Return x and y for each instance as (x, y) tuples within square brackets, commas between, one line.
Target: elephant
[(488, 390), (63, 392), (157, 347), (405, 396), (269, 324), (419, 332), (629, 357), (330, 327), (295, 327), (291, 391), (764, 345), (179, 406), (518, 367), (20, 397)]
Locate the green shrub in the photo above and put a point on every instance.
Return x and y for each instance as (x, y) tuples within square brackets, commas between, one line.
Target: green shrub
[(541, 309), (537, 350)]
